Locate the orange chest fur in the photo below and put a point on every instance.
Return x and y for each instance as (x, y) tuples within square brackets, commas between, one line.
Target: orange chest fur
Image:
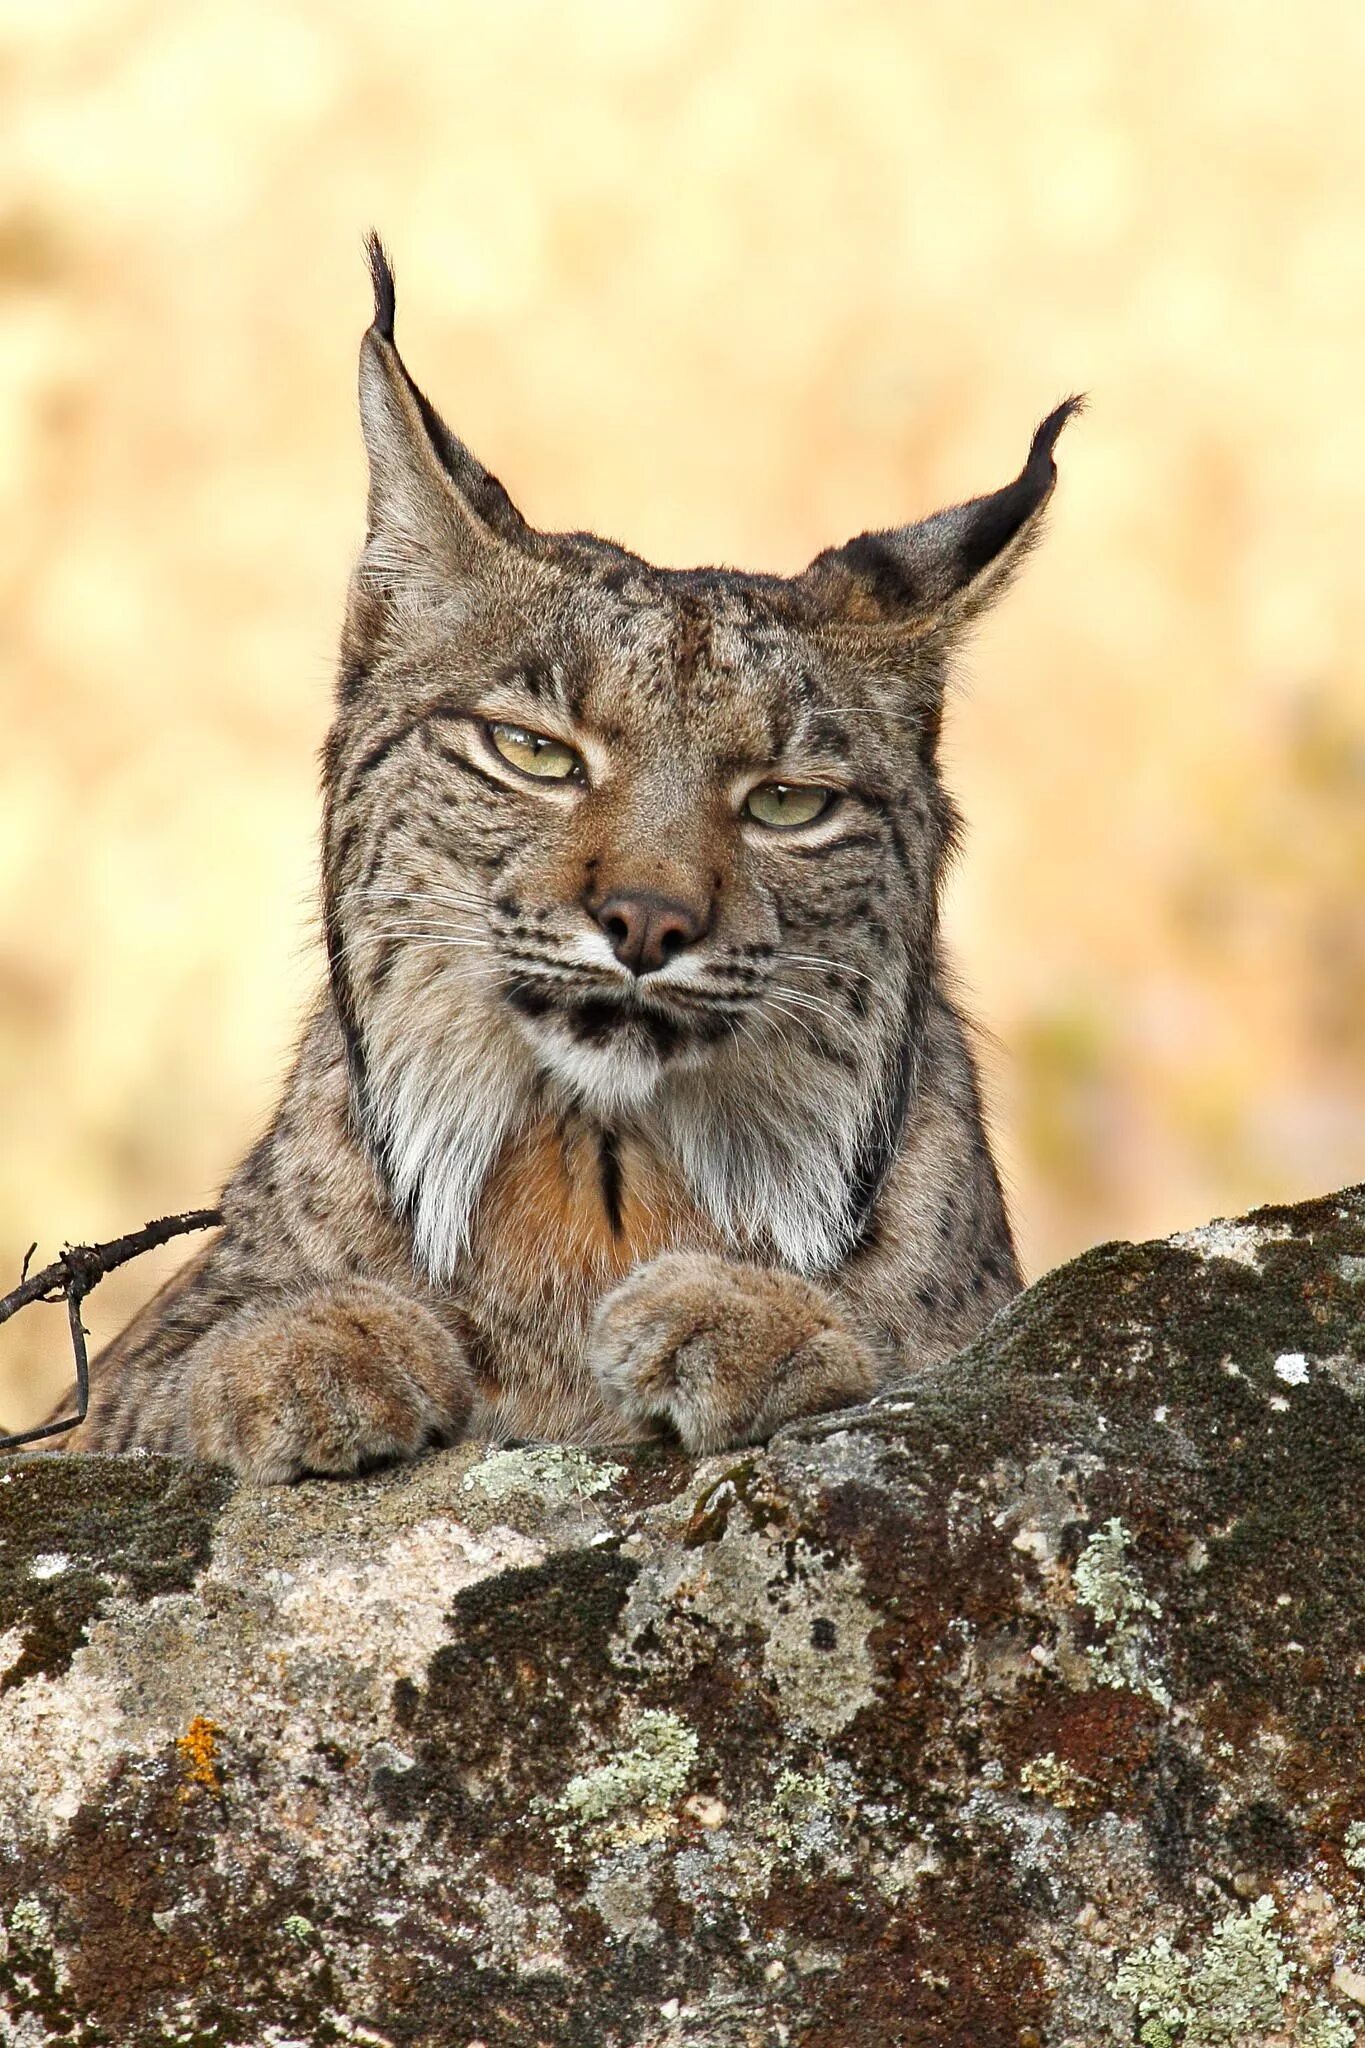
[(571, 1209)]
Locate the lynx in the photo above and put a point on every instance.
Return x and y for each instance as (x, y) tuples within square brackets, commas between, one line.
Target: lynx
[(636, 1102)]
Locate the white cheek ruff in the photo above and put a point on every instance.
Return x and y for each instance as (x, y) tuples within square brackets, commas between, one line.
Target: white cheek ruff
[(774, 1192), (444, 1105), (769, 1148)]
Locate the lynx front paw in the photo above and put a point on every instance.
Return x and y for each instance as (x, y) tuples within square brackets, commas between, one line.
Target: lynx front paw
[(721, 1353), (328, 1384)]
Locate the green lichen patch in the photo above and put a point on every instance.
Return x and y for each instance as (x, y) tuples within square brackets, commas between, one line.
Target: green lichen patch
[(1107, 1582), (629, 1797), (74, 1532), (1155, 1981), (1233, 1993), (1048, 1777), (811, 1814), (551, 1472), (1324, 2027), (29, 1921)]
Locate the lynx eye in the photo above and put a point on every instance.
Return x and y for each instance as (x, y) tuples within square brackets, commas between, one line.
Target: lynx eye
[(534, 753), (787, 804)]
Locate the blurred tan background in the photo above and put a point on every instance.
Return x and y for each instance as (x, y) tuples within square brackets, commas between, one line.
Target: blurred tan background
[(723, 281)]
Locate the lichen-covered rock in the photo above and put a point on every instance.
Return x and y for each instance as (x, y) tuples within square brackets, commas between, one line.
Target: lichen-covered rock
[(1023, 1709)]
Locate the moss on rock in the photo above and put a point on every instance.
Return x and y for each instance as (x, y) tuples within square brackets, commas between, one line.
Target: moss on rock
[(76, 1532)]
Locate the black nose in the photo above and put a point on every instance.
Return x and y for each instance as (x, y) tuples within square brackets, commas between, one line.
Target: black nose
[(647, 931)]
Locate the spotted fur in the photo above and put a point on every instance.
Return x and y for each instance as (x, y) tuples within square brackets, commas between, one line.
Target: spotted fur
[(514, 1187)]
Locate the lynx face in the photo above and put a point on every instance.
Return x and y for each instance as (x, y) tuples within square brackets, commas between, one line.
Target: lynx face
[(645, 902), (646, 844), (641, 859)]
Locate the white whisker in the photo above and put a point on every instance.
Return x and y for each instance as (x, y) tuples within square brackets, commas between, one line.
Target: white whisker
[(805, 1001), (832, 966), (795, 1017), (418, 897), (866, 711), (414, 931)]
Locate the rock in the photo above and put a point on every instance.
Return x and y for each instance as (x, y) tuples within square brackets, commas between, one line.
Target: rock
[(1024, 1707)]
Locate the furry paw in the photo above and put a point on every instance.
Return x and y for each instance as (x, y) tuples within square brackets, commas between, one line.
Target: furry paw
[(721, 1353), (329, 1384)]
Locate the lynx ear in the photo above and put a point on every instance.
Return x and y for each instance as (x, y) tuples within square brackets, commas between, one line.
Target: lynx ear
[(943, 571), (431, 503)]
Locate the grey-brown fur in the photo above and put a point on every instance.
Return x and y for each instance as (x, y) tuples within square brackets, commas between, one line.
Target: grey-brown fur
[(513, 1186)]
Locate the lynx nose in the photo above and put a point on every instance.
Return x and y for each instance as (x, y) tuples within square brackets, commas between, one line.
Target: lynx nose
[(647, 931)]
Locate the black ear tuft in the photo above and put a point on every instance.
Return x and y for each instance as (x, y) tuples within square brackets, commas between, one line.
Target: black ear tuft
[(1045, 440), (997, 519), (381, 275)]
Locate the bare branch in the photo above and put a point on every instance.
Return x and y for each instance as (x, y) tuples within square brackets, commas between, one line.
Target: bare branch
[(70, 1278)]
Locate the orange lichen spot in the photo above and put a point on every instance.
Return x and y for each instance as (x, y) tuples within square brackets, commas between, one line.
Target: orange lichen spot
[(198, 1748)]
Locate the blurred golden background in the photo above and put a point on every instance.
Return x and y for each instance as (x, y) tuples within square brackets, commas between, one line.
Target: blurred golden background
[(726, 282)]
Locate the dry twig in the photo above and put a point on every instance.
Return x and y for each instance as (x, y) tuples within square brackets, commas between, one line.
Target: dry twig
[(70, 1278)]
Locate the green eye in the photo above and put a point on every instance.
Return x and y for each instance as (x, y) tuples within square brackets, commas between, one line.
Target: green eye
[(786, 804), (535, 754)]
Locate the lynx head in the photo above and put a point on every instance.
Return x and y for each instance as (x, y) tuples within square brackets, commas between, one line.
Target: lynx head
[(662, 846)]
